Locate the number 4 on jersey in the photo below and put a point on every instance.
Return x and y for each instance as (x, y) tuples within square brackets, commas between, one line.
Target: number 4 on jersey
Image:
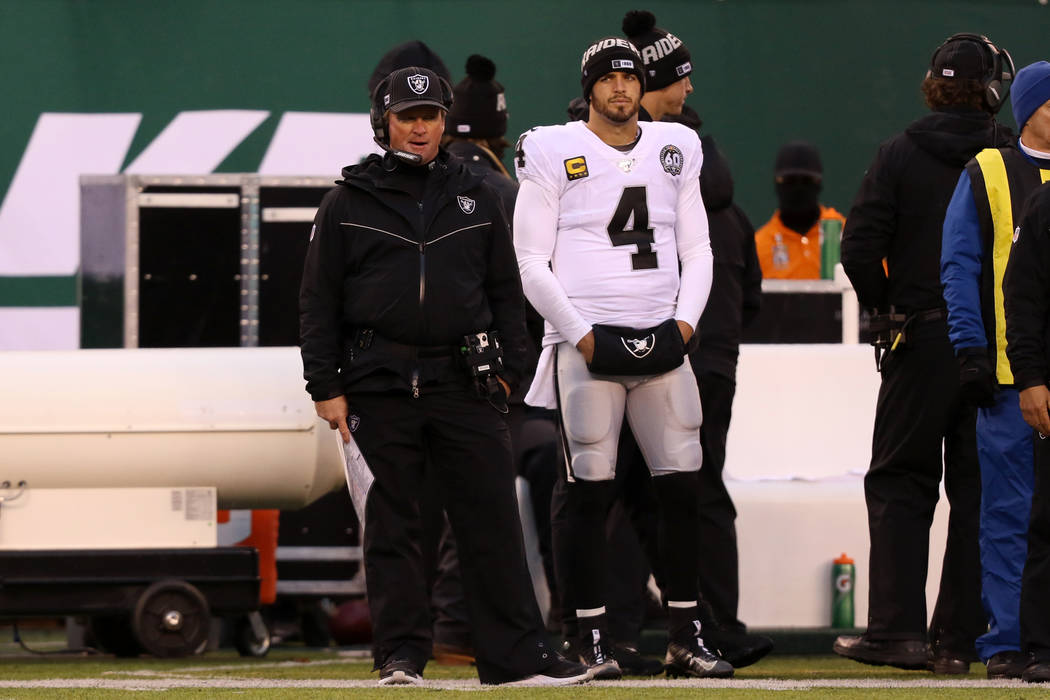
[(634, 209)]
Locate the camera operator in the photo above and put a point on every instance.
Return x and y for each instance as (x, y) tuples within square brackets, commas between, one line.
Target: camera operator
[(410, 279)]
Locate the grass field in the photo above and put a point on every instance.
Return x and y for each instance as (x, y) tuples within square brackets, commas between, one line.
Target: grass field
[(298, 673)]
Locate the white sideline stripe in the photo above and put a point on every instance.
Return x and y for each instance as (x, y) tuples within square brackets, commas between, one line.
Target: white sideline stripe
[(346, 657), (276, 683)]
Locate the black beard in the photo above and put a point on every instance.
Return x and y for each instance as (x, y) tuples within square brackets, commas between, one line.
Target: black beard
[(614, 115)]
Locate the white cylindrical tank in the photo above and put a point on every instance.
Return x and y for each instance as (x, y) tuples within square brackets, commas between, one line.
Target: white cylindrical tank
[(234, 418)]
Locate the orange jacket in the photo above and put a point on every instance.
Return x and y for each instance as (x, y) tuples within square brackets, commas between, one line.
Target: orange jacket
[(787, 254)]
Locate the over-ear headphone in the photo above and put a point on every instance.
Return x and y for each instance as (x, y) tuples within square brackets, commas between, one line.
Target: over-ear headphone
[(998, 68), (378, 108)]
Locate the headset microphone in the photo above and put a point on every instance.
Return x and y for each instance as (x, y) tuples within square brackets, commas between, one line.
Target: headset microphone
[(405, 156)]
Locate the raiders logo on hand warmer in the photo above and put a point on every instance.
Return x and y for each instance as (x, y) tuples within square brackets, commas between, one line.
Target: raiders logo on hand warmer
[(632, 351)]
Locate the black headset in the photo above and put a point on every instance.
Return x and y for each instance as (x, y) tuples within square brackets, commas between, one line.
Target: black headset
[(378, 109), (999, 68)]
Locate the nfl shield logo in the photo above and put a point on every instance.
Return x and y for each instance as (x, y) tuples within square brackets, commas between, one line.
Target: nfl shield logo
[(466, 204), (418, 83)]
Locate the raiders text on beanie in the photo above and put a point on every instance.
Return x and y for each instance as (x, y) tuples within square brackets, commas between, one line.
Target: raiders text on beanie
[(480, 107), (608, 54), (665, 57), (1031, 90)]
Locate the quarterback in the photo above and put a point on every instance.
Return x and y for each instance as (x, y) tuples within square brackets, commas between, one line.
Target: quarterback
[(612, 242)]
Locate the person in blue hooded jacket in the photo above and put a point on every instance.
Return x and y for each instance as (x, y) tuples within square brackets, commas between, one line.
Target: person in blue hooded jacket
[(978, 232)]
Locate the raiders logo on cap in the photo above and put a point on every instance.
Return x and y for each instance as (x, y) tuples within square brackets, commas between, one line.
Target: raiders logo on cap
[(418, 83), (671, 159)]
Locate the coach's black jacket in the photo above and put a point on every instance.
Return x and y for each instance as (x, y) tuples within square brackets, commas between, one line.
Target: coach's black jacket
[(421, 256), (1026, 292), (898, 212)]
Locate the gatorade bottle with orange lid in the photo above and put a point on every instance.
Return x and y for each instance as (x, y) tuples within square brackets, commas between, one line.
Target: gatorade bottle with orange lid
[(842, 575)]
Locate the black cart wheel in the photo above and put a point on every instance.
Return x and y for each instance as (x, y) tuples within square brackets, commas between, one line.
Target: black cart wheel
[(171, 619), (251, 637), (112, 634)]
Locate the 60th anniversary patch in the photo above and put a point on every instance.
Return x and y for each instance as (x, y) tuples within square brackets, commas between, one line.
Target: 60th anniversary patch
[(671, 159)]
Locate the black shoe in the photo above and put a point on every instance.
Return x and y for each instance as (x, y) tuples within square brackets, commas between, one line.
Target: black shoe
[(632, 663), (561, 672), (900, 653), (1008, 664), (945, 662), (694, 660), (400, 672), (1036, 672), (595, 653), (738, 648)]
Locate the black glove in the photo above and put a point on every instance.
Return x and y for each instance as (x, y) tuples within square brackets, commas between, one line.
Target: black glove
[(977, 377)]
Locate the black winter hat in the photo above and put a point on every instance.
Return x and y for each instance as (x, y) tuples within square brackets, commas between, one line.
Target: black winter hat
[(480, 107), (410, 53), (960, 58), (665, 57), (608, 54), (798, 158)]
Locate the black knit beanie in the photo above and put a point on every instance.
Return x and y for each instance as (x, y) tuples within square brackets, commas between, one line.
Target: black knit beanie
[(480, 107), (608, 54), (665, 57)]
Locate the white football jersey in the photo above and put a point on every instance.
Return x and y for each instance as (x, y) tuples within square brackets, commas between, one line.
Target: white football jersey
[(615, 253)]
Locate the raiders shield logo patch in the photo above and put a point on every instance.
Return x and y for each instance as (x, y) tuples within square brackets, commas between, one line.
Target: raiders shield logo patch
[(671, 159), (353, 422), (640, 347), (576, 168), (418, 83), (466, 204)]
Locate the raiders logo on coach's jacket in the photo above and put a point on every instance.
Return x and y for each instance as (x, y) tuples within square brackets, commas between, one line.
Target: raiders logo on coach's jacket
[(422, 256)]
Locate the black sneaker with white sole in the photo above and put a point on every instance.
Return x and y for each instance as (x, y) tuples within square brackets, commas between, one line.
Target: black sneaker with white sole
[(693, 660), (400, 672), (561, 672), (595, 653)]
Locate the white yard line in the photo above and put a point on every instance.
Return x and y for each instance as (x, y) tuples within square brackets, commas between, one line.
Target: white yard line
[(256, 683)]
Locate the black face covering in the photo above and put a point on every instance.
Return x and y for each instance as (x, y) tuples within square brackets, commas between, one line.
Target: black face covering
[(799, 199)]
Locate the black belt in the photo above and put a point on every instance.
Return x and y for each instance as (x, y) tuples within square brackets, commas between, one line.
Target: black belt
[(367, 339), (928, 315)]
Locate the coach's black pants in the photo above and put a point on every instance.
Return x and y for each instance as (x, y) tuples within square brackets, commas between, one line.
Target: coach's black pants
[(918, 411), (719, 561), (469, 448), (1035, 583)]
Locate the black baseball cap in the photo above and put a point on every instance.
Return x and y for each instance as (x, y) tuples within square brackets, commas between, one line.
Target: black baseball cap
[(959, 59), (798, 158), (415, 87)]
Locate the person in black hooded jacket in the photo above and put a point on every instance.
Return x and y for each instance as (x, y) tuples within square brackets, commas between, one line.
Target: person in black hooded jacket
[(897, 217), (411, 260)]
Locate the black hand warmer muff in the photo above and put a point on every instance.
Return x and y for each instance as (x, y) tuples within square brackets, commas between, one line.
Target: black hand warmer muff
[(633, 351)]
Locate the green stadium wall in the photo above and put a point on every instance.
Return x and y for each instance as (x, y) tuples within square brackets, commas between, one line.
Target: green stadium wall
[(843, 75)]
